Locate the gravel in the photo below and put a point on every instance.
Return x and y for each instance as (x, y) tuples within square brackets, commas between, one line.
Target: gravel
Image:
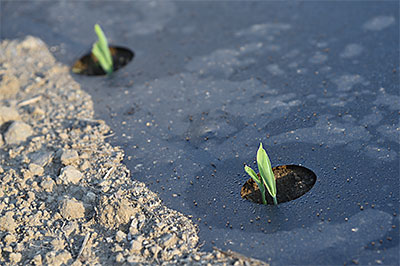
[(69, 174), (8, 114), (17, 132), (65, 196), (69, 157)]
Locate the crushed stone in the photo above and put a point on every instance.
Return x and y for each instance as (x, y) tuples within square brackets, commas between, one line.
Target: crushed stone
[(17, 132), (65, 196), (8, 114), (69, 174), (69, 156)]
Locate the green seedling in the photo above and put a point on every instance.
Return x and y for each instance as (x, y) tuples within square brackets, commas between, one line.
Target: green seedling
[(102, 52), (267, 175)]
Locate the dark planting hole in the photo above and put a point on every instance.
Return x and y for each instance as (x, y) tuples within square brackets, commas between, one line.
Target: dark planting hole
[(292, 182), (89, 65)]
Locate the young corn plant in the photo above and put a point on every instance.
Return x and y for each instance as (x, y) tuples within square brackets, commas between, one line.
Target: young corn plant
[(267, 179), (102, 52)]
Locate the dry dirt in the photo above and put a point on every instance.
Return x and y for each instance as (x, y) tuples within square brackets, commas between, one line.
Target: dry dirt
[(65, 196)]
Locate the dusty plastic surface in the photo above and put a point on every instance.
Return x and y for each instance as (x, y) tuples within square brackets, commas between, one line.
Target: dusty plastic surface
[(316, 82)]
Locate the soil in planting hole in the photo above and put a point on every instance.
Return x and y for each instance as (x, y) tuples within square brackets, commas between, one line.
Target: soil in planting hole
[(89, 65), (292, 182)]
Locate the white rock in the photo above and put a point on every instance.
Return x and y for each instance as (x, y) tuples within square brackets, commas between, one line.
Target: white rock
[(17, 132), (70, 174), (72, 209), (120, 236), (7, 222), (119, 258), (136, 245), (15, 257), (37, 260), (8, 114), (9, 86), (36, 169), (69, 156), (47, 184)]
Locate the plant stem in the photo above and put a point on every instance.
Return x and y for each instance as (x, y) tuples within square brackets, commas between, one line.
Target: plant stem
[(264, 200), (275, 201)]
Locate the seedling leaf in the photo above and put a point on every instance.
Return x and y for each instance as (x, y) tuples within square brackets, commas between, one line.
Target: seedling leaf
[(101, 51), (259, 182), (252, 174), (267, 175)]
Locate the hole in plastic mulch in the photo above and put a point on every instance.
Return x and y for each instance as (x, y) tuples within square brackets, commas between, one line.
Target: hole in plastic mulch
[(88, 64), (292, 182)]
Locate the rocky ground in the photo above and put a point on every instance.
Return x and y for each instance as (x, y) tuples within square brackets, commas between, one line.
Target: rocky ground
[(65, 196)]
